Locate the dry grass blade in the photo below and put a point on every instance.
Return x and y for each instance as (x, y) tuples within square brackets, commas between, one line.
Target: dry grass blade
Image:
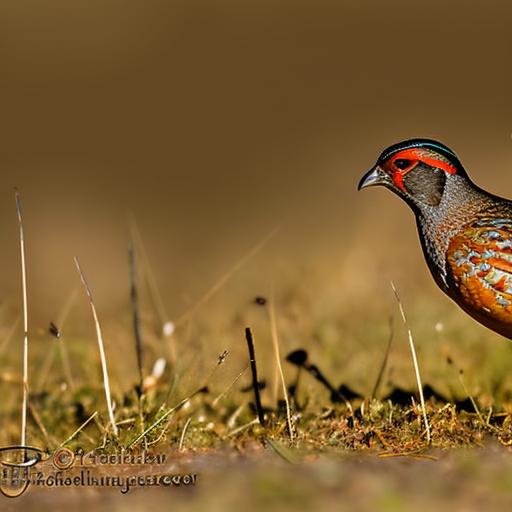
[(225, 277), (384, 361), (62, 343), (285, 453), (80, 428), (25, 322), (37, 418), (233, 382), (163, 418), (154, 291), (59, 346), (275, 343), (150, 276), (106, 382), (183, 434), (255, 421), (470, 396), (414, 360)]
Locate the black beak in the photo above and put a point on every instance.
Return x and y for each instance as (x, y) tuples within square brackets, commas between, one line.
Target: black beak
[(375, 176)]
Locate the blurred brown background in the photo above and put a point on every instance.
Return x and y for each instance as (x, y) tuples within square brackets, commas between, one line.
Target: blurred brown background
[(214, 121)]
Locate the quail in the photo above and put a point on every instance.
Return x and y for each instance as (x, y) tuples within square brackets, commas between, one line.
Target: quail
[(465, 232)]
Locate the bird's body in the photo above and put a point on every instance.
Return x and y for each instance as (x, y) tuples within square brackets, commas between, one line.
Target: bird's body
[(465, 232)]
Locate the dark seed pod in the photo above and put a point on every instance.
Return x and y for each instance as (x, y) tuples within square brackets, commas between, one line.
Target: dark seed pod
[(297, 357), (54, 330)]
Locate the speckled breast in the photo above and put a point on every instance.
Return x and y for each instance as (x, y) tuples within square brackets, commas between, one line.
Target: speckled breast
[(479, 260)]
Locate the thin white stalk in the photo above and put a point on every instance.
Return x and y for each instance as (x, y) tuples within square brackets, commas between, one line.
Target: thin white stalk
[(25, 322), (106, 382), (183, 434), (275, 343), (414, 360)]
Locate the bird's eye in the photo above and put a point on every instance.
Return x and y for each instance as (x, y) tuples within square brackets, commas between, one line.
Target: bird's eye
[(402, 163)]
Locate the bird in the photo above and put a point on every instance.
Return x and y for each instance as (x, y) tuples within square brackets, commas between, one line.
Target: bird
[(465, 232)]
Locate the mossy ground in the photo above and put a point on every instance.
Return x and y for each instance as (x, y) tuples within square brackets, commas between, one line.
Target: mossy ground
[(202, 410)]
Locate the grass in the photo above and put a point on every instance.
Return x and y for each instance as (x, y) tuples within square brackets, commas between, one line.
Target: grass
[(25, 405), (415, 362), (218, 412), (373, 426), (103, 357), (198, 398)]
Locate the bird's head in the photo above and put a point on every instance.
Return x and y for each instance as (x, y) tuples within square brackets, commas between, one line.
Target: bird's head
[(417, 170)]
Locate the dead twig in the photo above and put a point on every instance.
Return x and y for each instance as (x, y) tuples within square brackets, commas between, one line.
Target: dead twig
[(134, 295), (254, 372)]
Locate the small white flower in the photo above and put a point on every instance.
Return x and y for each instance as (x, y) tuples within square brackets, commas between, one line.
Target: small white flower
[(168, 329), (439, 327), (158, 368)]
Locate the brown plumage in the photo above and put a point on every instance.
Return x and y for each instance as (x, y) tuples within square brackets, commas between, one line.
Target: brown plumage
[(465, 232)]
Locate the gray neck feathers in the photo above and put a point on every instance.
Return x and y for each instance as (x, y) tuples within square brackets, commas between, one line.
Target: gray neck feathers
[(460, 203)]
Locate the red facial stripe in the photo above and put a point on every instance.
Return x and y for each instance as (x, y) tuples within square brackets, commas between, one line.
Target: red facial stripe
[(416, 156)]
